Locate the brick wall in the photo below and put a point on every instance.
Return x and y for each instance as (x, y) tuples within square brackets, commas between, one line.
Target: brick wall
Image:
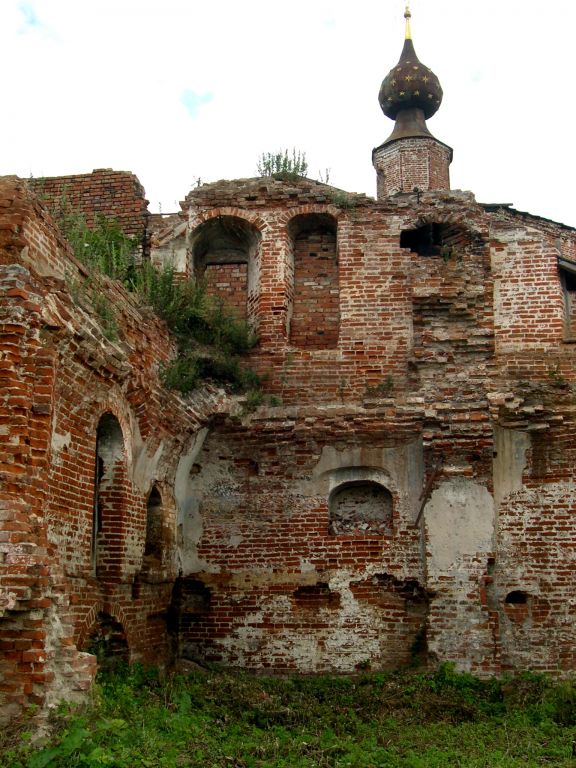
[(315, 319), (407, 164), (60, 374), (447, 387), (230, 283), (114, 194)]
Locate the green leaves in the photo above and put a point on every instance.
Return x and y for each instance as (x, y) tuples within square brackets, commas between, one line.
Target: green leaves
[(283, 165), (373, 720), (210, 339), (103, 246)]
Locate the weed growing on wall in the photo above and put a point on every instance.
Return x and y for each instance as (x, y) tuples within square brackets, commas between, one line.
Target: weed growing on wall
[(102, 246), (209, 337), (283, 164)]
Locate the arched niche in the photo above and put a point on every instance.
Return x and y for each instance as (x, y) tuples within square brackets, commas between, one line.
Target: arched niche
[(315, 316), (226, 257), (154, 524), (109, 498), (107, 641), (362, 507)]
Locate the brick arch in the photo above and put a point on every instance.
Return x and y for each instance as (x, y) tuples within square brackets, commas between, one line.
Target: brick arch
[(201, 217), (83, 627), (448, 225), (90, 620), (120, 411), (361, 506), (312, 208), (112, 499), (226, 254), (357, 474)]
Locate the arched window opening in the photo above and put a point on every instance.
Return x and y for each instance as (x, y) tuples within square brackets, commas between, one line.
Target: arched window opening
[(361, 506), (315, 319), (225, 254), (153, 544), (450, 241), (109, 485), (107, 641)]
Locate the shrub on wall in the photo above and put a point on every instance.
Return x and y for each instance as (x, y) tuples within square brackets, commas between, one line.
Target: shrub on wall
[(209, 337)]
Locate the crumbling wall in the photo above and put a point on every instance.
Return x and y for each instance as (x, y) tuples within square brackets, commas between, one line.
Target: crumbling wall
[(115, 195), (61, 374), (404, 491), (273, 586)]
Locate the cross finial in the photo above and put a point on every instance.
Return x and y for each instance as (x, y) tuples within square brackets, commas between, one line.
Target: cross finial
[(408, 16)]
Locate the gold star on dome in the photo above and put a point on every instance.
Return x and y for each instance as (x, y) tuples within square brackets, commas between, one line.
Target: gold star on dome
[(393, 82), (398, 69), (425, 79), (416, 93), (402, 93), (430, 96), (408, 78), (414, 67)]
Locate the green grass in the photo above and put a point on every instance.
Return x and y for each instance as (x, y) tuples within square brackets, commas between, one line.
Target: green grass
[(219, 719)]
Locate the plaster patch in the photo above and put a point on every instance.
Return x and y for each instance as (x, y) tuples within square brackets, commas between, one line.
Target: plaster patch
[(459, 523)]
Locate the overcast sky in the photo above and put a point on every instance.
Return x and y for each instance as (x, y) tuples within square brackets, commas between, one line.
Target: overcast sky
[(176, 90)]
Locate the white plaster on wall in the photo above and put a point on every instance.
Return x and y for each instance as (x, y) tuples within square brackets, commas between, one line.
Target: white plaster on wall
[(459, 523), (510, 448), (189, 522), (59, 442)]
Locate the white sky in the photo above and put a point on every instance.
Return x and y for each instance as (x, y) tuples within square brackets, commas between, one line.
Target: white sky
[(174, 90)]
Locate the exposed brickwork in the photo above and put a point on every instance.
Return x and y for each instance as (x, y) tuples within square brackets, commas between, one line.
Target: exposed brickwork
[(230, 283), (412, 163), (59, 375), (115, 194), (435, 415), (315, 317)]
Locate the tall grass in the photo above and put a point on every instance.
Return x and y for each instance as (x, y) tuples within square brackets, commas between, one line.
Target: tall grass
[(216, 719)]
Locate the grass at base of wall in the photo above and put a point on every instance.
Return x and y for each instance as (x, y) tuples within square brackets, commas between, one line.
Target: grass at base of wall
[(218, 719)]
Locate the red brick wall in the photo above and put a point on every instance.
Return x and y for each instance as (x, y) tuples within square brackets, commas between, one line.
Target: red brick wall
[(434, 352), (59, 375), (114, 194), (315, 319), (284, 592), (230, 283), (412, 163)]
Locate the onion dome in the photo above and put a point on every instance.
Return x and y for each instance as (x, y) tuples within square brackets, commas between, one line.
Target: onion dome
[(410, 84)]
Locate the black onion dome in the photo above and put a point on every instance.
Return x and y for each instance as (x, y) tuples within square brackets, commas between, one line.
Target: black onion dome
[(408, 85)]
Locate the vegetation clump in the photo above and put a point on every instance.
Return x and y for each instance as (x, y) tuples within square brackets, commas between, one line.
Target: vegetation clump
[(283, 164), (210, 339), (217, 719)]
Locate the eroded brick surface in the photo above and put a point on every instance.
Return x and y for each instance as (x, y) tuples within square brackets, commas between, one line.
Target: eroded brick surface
[(424, 360)]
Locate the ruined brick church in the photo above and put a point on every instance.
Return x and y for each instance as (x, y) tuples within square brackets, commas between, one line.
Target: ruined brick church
[(408, 492)]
